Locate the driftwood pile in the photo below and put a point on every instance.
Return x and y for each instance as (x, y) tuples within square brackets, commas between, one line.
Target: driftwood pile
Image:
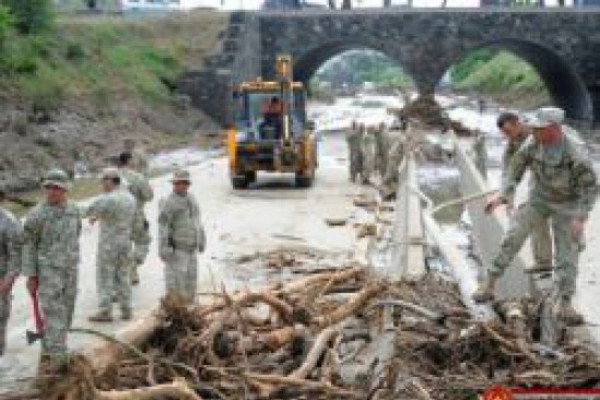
[(426, 110), (310, 337)]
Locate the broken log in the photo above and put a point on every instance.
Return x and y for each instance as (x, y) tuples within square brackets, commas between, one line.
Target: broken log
[(350, 308), (315, 352), (176, 390)]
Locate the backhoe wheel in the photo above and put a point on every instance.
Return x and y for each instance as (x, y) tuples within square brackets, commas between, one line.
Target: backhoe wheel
[(251, 176), (239, 182), (304, 181)]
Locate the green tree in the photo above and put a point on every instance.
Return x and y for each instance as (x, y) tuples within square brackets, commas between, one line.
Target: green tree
[(31, 16), (6, 22)]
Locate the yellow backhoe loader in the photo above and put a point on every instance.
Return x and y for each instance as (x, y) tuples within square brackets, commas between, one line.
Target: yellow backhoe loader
[(271, 131)]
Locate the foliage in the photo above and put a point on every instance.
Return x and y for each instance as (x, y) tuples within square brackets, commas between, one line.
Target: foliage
[(502, 72), (6, 23), (31, 16), (475, 60), (355, 67)]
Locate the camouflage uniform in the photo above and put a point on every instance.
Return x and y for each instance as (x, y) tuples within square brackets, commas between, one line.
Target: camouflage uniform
[(381, 150), (116, 211), (140, 188), (354, 138), (564, 189), (368, 152), (480, 154), (181, 235), (51, 253), (139, 161), (11, 241), (395, 157), (541, 240)]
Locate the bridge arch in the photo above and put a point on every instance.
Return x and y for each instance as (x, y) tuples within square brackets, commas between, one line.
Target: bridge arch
[(308, 63), (564, 85)]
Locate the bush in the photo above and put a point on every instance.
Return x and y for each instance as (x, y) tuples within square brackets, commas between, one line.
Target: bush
[(75, 52), (46, 90), (31, 16)]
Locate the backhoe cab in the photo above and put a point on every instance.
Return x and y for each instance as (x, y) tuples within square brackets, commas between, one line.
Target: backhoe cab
[(271, 131)]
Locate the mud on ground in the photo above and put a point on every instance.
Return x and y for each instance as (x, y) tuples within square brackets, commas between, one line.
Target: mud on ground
[(33, 141)]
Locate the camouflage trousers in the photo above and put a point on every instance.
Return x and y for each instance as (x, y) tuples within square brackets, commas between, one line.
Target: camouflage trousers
[(4, 315), (57, 303), (567, 245), (381, 156), (113, 275), (140, 236), (356, 162), (181, 275), (541, 242), (368, 155)]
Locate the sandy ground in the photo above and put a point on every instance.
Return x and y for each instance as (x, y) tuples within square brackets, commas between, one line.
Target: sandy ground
[(238, 223)]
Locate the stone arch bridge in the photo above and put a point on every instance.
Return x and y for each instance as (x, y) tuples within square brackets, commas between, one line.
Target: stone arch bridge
[(562, 45)]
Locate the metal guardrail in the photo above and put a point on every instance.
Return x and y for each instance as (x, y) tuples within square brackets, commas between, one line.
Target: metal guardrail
[(408, 255), (487, 230)]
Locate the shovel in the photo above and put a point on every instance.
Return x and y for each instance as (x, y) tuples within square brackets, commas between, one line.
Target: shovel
[(31, 336)]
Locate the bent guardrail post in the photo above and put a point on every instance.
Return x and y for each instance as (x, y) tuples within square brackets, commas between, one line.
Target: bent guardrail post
[(487, 230), (408, 259)]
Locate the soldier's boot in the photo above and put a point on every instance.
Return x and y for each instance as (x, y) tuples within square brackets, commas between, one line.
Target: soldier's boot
[(126, 314), (485, 291), (101, 316), (569, 315)]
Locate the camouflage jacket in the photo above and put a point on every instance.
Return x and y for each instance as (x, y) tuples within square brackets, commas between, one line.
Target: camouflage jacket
[(139, 162), (509, 152), (116, 211), (180, 225), (11, 242), (138, 185), (563, 176), (354, 138), (51, 240)]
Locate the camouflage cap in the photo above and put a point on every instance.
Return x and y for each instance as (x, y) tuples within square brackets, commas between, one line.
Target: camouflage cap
[(57, 178), (110, 173), (181, 175)]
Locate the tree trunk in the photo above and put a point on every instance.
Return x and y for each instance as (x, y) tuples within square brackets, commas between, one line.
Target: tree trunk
[(346, 4)]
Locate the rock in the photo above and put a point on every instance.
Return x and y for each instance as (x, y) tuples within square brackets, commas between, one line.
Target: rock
[(336, 221)]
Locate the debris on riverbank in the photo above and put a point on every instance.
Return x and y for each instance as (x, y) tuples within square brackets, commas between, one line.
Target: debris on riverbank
[(427, 111), (317, 335)]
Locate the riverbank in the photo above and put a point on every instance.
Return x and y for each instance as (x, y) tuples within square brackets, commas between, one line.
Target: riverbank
[(73, 94), (503, 78)]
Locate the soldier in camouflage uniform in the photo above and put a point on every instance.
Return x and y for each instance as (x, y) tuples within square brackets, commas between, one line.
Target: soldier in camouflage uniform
[(181, 236), (565, 190), (381, 149), (540, 239), (11, 241), (50, 261), (139, 158), (354, 138), (141, 190), (368, 154), (389, 181), (115, 210)]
